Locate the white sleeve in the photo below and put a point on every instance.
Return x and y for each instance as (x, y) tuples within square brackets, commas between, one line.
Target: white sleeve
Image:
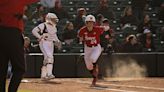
[(38, 29)]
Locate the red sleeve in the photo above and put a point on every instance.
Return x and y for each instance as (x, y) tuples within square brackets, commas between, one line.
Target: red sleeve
[(81, 32)]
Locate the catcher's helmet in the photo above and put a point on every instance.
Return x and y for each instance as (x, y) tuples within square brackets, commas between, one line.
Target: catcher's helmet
[(50, 17)]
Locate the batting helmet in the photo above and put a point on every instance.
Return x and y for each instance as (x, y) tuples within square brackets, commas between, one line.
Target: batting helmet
[(90, 18)]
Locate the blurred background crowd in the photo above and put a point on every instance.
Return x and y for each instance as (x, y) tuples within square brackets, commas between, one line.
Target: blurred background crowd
[(129, 25)]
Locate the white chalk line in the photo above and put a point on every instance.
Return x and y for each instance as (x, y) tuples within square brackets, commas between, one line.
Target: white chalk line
[(128, 86), (101, 88), (110, 89), (139, 87)]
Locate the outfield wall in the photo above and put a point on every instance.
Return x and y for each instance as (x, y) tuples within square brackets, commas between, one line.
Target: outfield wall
[(72, 64)]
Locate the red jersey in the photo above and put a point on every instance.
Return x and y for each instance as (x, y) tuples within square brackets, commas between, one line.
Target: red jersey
[(11, 12), (91, 38)]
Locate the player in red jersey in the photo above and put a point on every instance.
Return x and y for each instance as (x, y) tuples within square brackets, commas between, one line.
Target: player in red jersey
[(90, 35)]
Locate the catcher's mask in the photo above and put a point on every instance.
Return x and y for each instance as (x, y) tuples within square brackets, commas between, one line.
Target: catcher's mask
[(52, 18)]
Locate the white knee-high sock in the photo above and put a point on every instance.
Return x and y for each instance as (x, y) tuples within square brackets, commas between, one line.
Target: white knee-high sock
[(49, 69), (43, 71)]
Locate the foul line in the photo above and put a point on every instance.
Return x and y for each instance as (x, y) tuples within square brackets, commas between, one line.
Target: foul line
[(110, 89), (101, 88), (128, 86), (140, 87)]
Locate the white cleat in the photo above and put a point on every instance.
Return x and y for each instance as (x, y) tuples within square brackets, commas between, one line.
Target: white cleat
[(49, 77), (44, 78)]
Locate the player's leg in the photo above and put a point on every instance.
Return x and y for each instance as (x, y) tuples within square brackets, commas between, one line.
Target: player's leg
[(50, 60), (90, 65), (88, 62), (4, 61), (96, 51), (3, 71), (95, 74), (43, 69), (17, 59), (49, 49)]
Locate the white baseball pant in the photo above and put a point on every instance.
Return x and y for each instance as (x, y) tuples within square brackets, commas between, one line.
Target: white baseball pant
[(47, 48), (91, 55)]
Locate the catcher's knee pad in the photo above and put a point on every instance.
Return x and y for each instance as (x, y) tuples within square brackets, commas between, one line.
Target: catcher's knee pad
[(48, 61)]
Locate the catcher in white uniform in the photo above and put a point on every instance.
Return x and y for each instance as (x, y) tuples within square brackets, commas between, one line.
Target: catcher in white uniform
[(47, 37)]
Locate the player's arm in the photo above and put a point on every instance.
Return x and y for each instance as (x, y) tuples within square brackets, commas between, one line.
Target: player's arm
[(80, 36), (81, 39), (36, 32)]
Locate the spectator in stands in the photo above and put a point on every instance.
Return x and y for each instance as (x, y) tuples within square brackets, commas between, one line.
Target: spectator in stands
[(138, 7), (27, 15), (104, 9), (113, 45), (38, 15), (106, 34), (27, 42), (161, 12), (147, 40), (146, 24), (99, 19), (156, 3), (131, 45), (60, 11), (69, 33), (128, 19), (79, 20), (162, 33)]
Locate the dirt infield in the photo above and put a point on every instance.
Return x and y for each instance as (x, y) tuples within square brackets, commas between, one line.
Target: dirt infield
[(82, 85)]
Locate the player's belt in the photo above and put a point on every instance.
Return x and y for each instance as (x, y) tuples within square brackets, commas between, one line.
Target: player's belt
[(92, 46)]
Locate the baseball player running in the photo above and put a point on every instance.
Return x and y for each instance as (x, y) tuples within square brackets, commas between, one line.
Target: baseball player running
[(90, 35), (46, 35)]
